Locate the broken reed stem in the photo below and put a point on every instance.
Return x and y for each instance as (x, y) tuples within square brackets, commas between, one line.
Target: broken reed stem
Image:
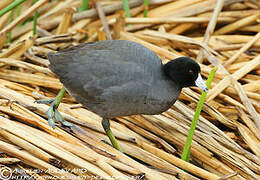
[(174, 20), (146, 7), (211, 27), (9, 160), (33, 161), (35, 17), (186, 152), (178, 162), (236, 25), (10, 7), (102, 16), (242, 50), (226, 81), (126, 8)]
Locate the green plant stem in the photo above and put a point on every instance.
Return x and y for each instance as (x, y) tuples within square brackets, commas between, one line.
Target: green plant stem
[(19, 13), (35, 17), (84, 6), (186, 152), (146, 7), (19, 7), (10, 7), (126, 8), (9, 40)]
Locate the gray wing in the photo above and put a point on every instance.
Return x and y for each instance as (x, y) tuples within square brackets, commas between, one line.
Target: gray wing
[(109, 74), (127, 50)]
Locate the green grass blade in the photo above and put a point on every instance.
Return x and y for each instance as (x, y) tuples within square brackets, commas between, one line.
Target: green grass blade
[(10, 7), (9, 40), (19, 13), (186, 152), (19, 7), (84, 6), (126, 8), (146, 7), (35, 17)]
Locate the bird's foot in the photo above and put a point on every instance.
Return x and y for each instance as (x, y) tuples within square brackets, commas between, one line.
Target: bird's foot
[(45, 101), (52, 113)]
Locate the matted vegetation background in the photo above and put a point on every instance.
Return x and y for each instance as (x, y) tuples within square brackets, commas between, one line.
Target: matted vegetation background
[(222, 34)]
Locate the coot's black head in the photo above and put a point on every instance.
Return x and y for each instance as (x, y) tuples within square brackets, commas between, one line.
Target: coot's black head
[(185, 72)]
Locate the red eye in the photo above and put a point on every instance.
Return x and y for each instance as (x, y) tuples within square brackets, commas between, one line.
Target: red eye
[(190, 72)]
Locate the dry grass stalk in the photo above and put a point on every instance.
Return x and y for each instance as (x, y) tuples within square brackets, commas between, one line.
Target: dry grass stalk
[(65, 22), (170, 7), (28, 135), (178, 162), (249, 123), (231, 39), (236, 25), (54, 39), (242, 50), (40, 80), (32, 161), (237, 75), (24, 16), (29, 147), (191, 8), (179, 38), (4, 20), (253, 28), (9, 160), (20, 47), (25, 65), (107, 10), (248, 104), (4, 3), (88, 154), (159, 50), (150, 174), (148, 135), (36, 59), (177, 140), (228, 176), (167, 20), (250, 139), (3, 39), (155, 161), (211, 26), (102, 17), (188, 112)]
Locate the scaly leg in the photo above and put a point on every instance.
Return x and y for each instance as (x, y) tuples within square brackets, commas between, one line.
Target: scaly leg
[(53, 113), (106, 126)]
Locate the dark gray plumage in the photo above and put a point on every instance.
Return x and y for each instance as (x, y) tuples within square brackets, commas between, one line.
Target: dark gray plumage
[(116, 78)]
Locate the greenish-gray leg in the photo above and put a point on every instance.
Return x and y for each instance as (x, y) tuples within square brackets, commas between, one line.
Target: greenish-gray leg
[(53, 113), (106, 126), (59, 96)]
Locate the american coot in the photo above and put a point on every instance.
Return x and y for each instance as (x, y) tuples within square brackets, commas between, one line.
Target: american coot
[(119, 78)]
